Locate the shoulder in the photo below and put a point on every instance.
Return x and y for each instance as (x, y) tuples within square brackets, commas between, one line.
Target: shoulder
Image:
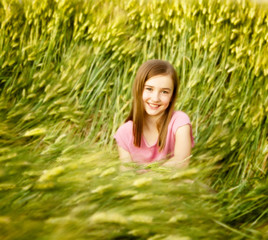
[(125, 127), (124, 135), (180, 120), (180, 117)]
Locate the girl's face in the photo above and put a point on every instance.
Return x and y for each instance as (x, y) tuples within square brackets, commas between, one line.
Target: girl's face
[(157, 94)]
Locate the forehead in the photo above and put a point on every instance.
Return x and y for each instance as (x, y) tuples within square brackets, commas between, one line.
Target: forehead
[(160, 81)]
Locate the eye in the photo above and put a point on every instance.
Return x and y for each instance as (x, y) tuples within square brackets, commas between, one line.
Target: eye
[(148, 89), (165, 92)]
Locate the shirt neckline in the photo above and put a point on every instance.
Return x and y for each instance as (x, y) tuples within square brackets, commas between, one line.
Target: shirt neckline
[(150, 146), (146, 144)]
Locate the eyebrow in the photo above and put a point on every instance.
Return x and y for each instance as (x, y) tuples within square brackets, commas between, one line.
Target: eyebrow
[(153, 86)]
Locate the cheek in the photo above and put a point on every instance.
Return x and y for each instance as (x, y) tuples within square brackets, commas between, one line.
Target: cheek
[(166, 99), (145, 96)]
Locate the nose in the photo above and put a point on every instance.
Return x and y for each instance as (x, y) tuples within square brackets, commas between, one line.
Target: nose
[(155, 96)]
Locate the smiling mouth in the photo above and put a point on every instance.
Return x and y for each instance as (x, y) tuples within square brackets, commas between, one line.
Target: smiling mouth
[(154, 106)]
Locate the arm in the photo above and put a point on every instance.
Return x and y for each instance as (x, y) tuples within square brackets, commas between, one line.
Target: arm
[(183, 146), (124, 157)]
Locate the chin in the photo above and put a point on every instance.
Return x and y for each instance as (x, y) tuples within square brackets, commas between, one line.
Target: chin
[(154, 114)]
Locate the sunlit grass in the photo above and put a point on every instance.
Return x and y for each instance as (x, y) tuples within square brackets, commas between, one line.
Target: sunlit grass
[(65, 82)]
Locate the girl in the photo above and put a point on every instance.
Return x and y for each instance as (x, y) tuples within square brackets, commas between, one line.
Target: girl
[(153, 131)]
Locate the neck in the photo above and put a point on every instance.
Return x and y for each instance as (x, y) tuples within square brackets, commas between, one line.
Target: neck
[(151, 121)]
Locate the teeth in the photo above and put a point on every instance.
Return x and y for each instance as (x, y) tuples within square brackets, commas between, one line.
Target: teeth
[(153, 105)]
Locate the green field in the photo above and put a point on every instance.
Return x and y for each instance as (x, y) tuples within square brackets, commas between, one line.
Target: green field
[(66, 71)]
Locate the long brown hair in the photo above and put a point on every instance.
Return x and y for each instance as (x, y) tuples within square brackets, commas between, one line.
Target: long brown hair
[(147, 70)]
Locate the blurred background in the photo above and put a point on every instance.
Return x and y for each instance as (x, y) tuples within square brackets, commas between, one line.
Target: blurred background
[(66, 73)]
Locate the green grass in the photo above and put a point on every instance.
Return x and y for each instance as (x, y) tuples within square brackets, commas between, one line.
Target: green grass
[(65, 87)]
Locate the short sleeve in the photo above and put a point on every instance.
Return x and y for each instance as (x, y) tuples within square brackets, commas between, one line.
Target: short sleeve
[(123, 135), (180, 119)]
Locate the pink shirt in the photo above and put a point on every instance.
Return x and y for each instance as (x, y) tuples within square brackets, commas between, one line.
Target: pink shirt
[(145, 153)]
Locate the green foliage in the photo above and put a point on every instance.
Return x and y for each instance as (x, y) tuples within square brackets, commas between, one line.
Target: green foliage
[(65, 83)]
